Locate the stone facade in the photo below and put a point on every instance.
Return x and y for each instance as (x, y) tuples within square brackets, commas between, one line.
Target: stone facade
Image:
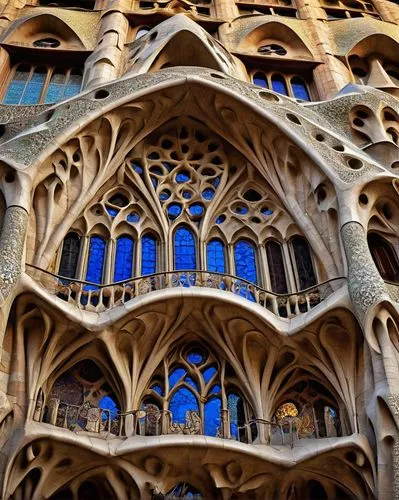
[(199, 273)]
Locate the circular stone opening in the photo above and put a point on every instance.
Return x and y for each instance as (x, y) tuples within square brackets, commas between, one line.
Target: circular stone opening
[(101, 94), (339, 147), (355, 163), (362, 114), (358, 122), (268, 96), (10, 177), (320, 137), (363, 199), (292, 118), (395, 165)]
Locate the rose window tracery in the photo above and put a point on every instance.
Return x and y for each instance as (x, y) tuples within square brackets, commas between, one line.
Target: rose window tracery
[(190, 387), (186, 168)]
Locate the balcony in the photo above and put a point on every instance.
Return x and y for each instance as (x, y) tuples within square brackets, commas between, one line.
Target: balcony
[(93, 297), (151, 421)]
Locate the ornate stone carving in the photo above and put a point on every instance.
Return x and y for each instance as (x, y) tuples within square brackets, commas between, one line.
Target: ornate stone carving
[(365, 284)]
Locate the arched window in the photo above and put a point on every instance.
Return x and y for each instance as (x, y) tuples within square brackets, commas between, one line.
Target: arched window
[(95, 263), (83, 385), (215, 256), (70, 255), (192, 393), (275, 262), (306, 276), (245, 260), (123, 258), (185, 255), (148, 254), (41, 84), (260, 79), (279, 85), (299, 88), (384, 257), (63, 85)]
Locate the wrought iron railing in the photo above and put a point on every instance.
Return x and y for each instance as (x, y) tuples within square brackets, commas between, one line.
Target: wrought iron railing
[(152, 421), (99, 297)]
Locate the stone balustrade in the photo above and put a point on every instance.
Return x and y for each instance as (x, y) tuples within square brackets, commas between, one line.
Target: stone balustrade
[(95, 297)]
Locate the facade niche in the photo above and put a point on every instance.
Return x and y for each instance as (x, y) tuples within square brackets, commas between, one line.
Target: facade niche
[(80, 399)]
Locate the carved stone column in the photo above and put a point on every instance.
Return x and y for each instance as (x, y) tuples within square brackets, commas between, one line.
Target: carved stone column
[(12, 241), (366, 287)]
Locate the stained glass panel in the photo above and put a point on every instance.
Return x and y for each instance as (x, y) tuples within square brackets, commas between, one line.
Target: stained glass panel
[(245, 260), (236, 412), (260, 79), (70, 255), (212, 414), (95, 262), (34, 87), (304, 264), (278, 84), (17, 85), (215, 256), (123, 258), (299, 89), (184, 249), (55, 88), (175, 376), (275, 263), (73, 85), (182, 401), (148, 254)]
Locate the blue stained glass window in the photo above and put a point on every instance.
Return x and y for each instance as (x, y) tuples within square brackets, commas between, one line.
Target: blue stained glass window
[(275, 262), (175, 376), (55, 89), (182, 401), (73, 85), (191, 382), (108, 403), (148, 254), (184, 249), (215, 256), (236, 411), (123, 258), (187, 195), (182, 176), (245, 260), (95, 262), (157, 388), (34, 87), (241, 209), (212, 414), (208, 194), (260, 79), (133, 217), (136, 166), (266, 211), (220, 219), (215, 389), (278, 84), (174, 210), (195, 357), (17, 85), (299, 88), (209, 373), (113, 212), (196, 209), (164, 195)]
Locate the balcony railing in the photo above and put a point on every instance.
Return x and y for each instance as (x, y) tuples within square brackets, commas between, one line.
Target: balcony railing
[(94, 297), (151, 421)]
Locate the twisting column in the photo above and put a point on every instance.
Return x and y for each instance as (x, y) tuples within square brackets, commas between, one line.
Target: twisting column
[(367, 289)]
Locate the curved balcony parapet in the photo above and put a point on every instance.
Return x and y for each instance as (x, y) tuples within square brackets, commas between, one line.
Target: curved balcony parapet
[(151, 421), (102, 297)]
